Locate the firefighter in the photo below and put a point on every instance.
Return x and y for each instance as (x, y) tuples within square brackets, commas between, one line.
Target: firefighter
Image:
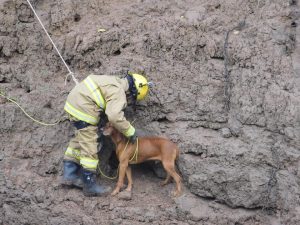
[(95, 95)]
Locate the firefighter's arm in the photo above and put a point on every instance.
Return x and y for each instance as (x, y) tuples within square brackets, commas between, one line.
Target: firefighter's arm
[(115, 104)]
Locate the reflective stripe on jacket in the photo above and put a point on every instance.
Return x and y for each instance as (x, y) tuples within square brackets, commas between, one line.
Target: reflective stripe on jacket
[(81, 115), (94, 89)]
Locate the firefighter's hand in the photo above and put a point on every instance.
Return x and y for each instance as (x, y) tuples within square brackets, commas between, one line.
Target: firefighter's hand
[(133, 138)]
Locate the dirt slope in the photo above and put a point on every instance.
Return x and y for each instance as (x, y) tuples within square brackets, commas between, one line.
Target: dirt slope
[(227, 83)]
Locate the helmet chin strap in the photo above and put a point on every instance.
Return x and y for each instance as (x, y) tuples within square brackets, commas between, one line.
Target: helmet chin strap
[(132, 90)]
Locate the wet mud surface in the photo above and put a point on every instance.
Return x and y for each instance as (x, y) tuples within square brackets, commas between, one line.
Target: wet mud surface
[(227, 83)]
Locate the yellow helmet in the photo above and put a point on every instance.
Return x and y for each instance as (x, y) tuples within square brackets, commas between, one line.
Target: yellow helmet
[(141, 85)]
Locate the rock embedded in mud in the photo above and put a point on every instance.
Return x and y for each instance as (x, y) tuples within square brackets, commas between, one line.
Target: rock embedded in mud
[(125, 195), (226, 133), (40, 195)]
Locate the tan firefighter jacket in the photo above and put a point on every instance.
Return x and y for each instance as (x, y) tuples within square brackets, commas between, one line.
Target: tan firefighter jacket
[(100, 93)]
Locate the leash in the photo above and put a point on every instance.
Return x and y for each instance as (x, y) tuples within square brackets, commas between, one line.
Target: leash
[(30, 117), (111, 178), (70, 72), (135, 155)]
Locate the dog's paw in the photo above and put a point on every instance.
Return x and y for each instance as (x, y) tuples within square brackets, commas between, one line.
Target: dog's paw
[(164, 183), (128, 189), (176, 194), (114, 192)]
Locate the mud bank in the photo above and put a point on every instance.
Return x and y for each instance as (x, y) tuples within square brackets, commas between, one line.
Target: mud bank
[(227, 86)]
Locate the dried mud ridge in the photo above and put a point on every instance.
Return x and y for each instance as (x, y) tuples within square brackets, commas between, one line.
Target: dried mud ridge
[(227, 79)]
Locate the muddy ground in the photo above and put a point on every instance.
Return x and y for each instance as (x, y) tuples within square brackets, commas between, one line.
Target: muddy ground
[(227, 80)]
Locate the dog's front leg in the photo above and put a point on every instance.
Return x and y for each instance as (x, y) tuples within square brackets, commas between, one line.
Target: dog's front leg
[(122, 171), (129, 178)]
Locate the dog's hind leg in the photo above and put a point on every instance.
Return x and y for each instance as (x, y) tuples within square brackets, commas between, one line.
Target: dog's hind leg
[(170, 168)]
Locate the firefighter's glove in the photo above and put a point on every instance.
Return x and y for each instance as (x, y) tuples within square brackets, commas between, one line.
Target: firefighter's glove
[(133, 138)]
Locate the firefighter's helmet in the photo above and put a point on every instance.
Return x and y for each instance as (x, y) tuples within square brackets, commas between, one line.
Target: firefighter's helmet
[(141, 85)]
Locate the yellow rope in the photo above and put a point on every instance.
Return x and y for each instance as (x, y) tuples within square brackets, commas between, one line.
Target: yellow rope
[(39, 122), (111, 178), (135, 155), (53, 44)]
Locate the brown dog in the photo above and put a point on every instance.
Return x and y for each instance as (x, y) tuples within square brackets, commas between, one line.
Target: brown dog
[(149, 148)]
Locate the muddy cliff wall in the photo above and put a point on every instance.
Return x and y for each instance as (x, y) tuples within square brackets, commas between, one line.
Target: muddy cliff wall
[(227, 83)]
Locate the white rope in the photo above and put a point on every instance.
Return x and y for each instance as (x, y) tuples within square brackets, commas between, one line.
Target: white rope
[(70, 72)]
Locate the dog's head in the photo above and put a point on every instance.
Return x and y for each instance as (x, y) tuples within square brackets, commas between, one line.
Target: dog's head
[(115, 135)]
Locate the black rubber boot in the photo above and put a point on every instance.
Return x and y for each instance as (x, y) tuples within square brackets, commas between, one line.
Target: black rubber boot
[(72, 174), (90, 186)]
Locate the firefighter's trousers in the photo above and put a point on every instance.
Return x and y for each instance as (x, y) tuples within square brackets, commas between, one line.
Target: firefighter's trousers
[(82, 148)]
